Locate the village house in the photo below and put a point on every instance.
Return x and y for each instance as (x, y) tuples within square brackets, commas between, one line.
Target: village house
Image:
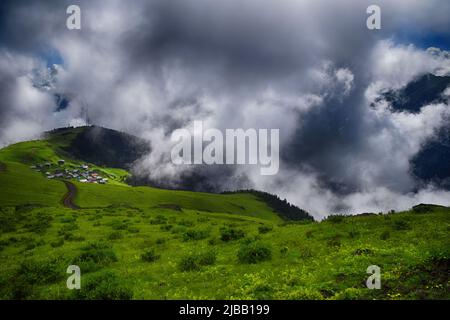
[(82, 173)]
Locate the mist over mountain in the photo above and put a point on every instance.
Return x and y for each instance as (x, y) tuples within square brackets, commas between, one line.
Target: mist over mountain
[(430, 165)]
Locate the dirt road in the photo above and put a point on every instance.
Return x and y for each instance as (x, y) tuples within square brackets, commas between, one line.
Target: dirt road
[(70, 196)]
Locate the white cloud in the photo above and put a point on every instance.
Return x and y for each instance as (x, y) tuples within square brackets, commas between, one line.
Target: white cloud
[(300, 65), (393, 66), (346, 77)]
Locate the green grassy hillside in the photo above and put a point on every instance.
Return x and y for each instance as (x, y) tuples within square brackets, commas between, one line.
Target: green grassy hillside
[(22, 185), (148, 243), (19, 185)]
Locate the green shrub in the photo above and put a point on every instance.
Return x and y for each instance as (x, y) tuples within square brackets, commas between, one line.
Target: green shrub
[(334, 241), (251, 239), (39, 224), (12, 240), (159, 219), (254, 252), (207, 258), (230, 234), (401, 225), (195, 234), (195, 261), (178, 229), (133, 230), (31, 243), (214, 241), (364, 251), (306, 252), (94, 256), (67, 219), (68, 227), (95, 217), (350, 294), (263, 291), (39, 272), (385, 235), (188, 263), (186, 223), (4, 243), (160, 241), (166, 227), (264, 229), (103, 286), (115, 235), (8, 219), (119, 225), (69, 236), (335, 218), (57, 243), (150, 255), (303, 294), (353, 234), (16, 288)]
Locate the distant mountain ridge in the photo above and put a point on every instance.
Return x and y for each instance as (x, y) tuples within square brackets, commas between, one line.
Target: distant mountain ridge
[(283, 208), (111, 148), (418, 93)]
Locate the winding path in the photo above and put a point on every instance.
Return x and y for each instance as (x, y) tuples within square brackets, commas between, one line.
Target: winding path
[(70, 196)]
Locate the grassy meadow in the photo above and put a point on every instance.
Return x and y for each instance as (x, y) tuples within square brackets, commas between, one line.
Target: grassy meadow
[(149, 243)]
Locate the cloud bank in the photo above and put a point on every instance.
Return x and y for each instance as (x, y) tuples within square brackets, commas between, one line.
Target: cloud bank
[(309, 68)]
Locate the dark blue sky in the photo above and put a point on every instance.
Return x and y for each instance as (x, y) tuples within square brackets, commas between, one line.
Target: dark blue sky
[(51, 56), (423, 39)]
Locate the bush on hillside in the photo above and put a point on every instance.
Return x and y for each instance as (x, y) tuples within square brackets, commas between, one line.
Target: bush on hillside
[(264, 229), (254, 252), (150, 255), (230, 234), (94, 256), (194, 234), (401, 225), (194, 261), (103, 286)]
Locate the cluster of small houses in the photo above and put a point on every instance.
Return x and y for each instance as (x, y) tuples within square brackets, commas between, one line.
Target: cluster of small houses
[(81, 173)]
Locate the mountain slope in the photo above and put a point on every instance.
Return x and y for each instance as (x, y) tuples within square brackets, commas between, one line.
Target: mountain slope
[(148, 243), (58, 144), (100, 146), (23, 185), (418, 93)]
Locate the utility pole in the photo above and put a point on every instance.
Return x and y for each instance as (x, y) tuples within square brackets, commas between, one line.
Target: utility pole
[(85, 112)]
